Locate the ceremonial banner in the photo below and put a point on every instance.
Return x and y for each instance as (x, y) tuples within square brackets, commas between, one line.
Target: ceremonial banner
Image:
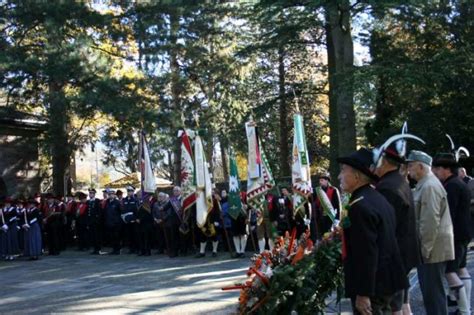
[(235, 204), (300, 172), (188, 185), (203, 183), (147, 178), (255, 181)]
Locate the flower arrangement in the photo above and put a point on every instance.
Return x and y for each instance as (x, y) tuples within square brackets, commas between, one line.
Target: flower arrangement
[(296, 276)]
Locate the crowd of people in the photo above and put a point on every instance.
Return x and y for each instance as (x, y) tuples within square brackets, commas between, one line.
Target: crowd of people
[(405, 213), (46, 224), (402, 213)]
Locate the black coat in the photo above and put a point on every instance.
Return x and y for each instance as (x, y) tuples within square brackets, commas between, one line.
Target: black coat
[(373, 266), (94, 211), (398, 193), (459, 200), (170, 217), (112, 213), (282, 213), (145, 216)]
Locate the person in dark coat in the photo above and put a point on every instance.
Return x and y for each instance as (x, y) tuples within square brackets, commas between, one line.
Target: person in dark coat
[(113, 221), (82, 224), (130, 206), (282, 212), (373, 268), (459, 199), (158, 211), (53, 223), (172, 218), (10, 219), (31, 219), (145, 227), (321, 222), (396, 189), (94, 221)]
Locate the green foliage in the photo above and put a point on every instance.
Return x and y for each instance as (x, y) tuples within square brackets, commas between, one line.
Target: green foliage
[(422, 69), (305, 287)]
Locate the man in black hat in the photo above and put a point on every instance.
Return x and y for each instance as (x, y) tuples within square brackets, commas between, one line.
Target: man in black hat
[(113, 221), (94, 221), (53, 221), (445, 168), (321, 221), (372, 264), (395, 188), (281, 215), (130, 206), (81, 222)]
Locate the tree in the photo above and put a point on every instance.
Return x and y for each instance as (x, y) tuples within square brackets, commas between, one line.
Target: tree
[(422, 65), (53, 63)]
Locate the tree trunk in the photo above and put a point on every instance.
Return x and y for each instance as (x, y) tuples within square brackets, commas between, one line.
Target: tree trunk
[(340, 52), (284, 143), (58, 135), (176, 92), (225, 162)]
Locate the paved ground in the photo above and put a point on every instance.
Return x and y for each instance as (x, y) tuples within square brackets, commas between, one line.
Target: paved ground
[(75, 282)]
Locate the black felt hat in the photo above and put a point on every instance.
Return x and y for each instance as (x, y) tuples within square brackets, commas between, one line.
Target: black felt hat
[(445, 160), (361, 160)]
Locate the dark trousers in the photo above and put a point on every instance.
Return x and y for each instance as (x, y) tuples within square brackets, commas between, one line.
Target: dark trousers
[(380, 305), (82, 236), (144, 238), (114, 237), (129, 236), (172, 233), (53, 232), (431, 277), (160, 238), (94, 233)]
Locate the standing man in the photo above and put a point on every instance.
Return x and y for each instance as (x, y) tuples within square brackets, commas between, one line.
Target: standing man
[(459, 198), (372, 264), (113, 221), (282, 212), (172, 218), (395, 188), (435, 230), (320, 218), (53, 222), (129, 215), (158, 215), (94, 221), (82, 226)]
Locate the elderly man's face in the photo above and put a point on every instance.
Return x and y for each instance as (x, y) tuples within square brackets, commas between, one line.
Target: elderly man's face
[(415, 170), (348, 178), (176, 192)]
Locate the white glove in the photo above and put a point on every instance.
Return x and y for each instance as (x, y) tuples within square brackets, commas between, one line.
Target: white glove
[(25, 226), (216, 224), (307, 221), (5, 227)]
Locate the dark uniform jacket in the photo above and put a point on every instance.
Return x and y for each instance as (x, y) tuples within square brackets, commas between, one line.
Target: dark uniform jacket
[(94, 211), (398, 193), (145, 216), (171, 216), (129, 208), (373, 266), (459, 200), (112, 213), (282, 213)]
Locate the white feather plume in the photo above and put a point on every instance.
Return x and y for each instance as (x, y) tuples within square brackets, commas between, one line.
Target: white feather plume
[(453, 147), (460, 151), (379, 151)]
